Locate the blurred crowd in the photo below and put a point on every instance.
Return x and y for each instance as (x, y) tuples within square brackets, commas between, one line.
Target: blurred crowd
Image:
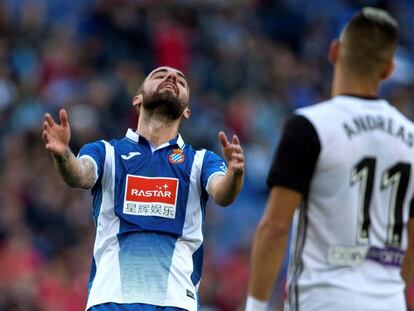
[(250, 63)]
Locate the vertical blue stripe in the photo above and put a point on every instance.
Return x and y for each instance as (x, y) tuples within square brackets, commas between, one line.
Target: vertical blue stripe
[(96, 209), (92, 275), (198, 257), (97, 202)]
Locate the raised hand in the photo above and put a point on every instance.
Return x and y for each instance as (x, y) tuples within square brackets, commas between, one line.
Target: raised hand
[(233, 153), (56, 136)]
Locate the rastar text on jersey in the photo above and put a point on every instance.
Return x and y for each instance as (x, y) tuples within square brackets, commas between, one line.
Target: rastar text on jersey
[(151, 193)]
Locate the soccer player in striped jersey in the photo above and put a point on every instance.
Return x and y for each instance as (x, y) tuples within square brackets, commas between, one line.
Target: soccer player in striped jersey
[(149, 190), (343, 173)]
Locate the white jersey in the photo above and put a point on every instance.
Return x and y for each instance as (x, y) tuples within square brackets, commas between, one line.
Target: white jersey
[(351, 230)]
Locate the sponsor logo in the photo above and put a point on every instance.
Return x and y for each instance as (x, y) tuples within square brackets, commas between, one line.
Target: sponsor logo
[(386, 256), (354, 255), (130, 155), (347, 256), (176, 156), (151, 196)]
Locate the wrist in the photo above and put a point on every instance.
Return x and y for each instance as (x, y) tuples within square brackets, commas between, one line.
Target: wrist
[(62, 156), (253, 304)]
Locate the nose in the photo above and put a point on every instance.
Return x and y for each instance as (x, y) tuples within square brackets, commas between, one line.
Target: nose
[(172, 76)]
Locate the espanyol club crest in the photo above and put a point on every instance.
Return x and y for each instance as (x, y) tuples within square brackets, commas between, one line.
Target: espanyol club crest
[(176, 156)]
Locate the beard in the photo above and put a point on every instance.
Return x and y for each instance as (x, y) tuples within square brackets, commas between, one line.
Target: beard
[(163, 105)]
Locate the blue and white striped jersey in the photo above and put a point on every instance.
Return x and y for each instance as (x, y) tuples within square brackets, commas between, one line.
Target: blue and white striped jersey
[(149, 209)]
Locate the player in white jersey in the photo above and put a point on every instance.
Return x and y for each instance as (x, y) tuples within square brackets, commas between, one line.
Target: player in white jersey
[(149, 200), (344, 173)]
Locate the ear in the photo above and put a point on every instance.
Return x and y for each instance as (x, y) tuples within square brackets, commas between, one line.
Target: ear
[(186, 113), (137, 102), (388, 70), (334, 51)]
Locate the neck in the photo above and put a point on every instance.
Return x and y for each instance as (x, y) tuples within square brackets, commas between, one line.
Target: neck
[(349, 83), (157, 130)]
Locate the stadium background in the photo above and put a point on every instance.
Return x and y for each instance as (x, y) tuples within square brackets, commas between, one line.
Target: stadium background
[(249, 63)]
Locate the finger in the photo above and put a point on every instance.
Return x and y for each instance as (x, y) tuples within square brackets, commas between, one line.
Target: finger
[(49, 119), (235, 140), (238, 165), (46, 126), (45, 137), (223, 139), (237, 156), (63, 116), (49, 147), (237, 148)]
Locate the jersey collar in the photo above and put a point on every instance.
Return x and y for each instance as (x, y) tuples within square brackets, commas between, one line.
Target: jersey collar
[(132, 135), (360, 96)]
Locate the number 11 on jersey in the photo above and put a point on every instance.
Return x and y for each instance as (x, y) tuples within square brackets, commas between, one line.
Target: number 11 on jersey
[(396, 177)]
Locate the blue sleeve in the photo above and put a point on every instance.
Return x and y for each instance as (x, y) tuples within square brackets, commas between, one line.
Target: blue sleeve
[(95, 151), (212, 165)]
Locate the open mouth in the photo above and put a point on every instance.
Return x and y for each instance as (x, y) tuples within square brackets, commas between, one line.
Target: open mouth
[(169, 86)]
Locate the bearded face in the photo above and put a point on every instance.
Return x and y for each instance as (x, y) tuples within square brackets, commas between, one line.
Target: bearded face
[(164, 104), (165, 94)]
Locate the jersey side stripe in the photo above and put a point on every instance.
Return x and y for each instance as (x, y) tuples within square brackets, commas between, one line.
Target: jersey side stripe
[(192, 231), (107, 225), (297, 262), (195, 196)]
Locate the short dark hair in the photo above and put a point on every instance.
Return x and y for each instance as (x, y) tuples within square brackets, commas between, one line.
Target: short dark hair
[(141, 88), (369, 41)]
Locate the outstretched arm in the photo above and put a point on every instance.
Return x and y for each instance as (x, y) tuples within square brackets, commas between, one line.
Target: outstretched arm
[(75, 172), (224, 189), (269, 245)]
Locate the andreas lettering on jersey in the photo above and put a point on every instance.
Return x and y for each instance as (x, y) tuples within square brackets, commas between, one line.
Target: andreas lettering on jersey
[(364, 123)]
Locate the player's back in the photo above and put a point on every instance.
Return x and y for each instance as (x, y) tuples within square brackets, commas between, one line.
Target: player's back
[(351, 236)]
